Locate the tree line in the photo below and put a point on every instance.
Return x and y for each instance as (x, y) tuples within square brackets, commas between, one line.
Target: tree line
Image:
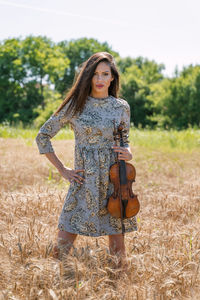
[(35, 74)]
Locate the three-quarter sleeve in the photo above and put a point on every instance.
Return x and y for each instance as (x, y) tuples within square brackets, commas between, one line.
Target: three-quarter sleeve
[(50, 129), (125, 117)]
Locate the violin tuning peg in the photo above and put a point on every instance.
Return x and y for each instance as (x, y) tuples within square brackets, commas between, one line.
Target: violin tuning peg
[(126, 140), (125, 137)]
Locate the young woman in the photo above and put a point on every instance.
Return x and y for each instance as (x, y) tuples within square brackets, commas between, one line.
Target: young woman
[(90, 107)]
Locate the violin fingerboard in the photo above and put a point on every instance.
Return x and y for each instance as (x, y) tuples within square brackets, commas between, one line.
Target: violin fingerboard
[(122, 172)]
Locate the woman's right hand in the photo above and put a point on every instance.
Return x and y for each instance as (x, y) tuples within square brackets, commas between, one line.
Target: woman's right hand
[(65, 172), (72, 175)]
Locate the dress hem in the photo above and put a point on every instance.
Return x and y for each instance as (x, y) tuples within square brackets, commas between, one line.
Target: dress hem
[(93, 235)]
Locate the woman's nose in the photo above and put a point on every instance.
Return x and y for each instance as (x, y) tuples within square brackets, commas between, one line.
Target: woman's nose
[(99, 77)]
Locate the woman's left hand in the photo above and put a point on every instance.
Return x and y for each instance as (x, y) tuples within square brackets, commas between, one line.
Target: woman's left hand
[(123, 153)]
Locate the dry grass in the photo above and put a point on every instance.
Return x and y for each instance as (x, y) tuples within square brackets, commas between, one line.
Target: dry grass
[(163, 255)]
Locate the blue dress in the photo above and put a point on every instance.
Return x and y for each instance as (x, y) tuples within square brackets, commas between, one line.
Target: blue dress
[(84, 210)]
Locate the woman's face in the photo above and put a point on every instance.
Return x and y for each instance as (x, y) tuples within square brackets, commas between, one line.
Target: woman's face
[(101, 80)]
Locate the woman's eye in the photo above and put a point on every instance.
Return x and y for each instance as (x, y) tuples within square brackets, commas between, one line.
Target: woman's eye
[(104, 74)]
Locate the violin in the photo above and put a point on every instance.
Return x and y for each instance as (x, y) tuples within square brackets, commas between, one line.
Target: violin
[(123, 203)]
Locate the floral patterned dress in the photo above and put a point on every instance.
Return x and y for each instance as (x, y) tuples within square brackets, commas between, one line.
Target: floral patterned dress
[(84, 211)]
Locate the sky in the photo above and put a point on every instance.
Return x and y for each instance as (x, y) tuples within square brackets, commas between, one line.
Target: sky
[(166, 31)]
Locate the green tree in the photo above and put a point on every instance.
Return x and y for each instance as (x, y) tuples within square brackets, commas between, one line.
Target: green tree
[(52, 100), (124, 63), (151, 71), (45, 62), (182, 102), (138, 77), (35, 72), (159, 91), (26, 66), (12, 74)]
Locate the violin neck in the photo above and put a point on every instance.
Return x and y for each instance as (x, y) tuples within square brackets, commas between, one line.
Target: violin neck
[(122, 172), (122, 166)]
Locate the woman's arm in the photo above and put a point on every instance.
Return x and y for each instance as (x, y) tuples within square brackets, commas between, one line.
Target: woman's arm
[(46, 132), (50, 129), (124, 153), (67, 173), (55, 161)]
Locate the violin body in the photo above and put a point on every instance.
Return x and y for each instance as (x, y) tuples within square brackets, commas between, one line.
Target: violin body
[(130, 204), (123, 203)]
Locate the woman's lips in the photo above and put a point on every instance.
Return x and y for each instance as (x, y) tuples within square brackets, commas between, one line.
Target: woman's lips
[(99, 85)]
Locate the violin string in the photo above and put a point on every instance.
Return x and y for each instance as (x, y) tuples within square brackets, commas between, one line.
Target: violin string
[(116, 132)]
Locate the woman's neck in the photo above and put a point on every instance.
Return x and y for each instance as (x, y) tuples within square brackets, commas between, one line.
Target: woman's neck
[(99, 95)]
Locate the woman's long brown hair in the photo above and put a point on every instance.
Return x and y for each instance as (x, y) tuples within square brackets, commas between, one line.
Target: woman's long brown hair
[(81, 88)]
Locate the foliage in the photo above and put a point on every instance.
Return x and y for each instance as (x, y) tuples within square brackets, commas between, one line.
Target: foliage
[(44, 60), (138, 78), (182, 104), (52, 100), (35, 73), (158, 92), (177, 100), (25, 67)]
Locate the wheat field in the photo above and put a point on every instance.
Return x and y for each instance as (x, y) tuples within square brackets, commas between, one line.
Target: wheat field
[(163, 255)]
